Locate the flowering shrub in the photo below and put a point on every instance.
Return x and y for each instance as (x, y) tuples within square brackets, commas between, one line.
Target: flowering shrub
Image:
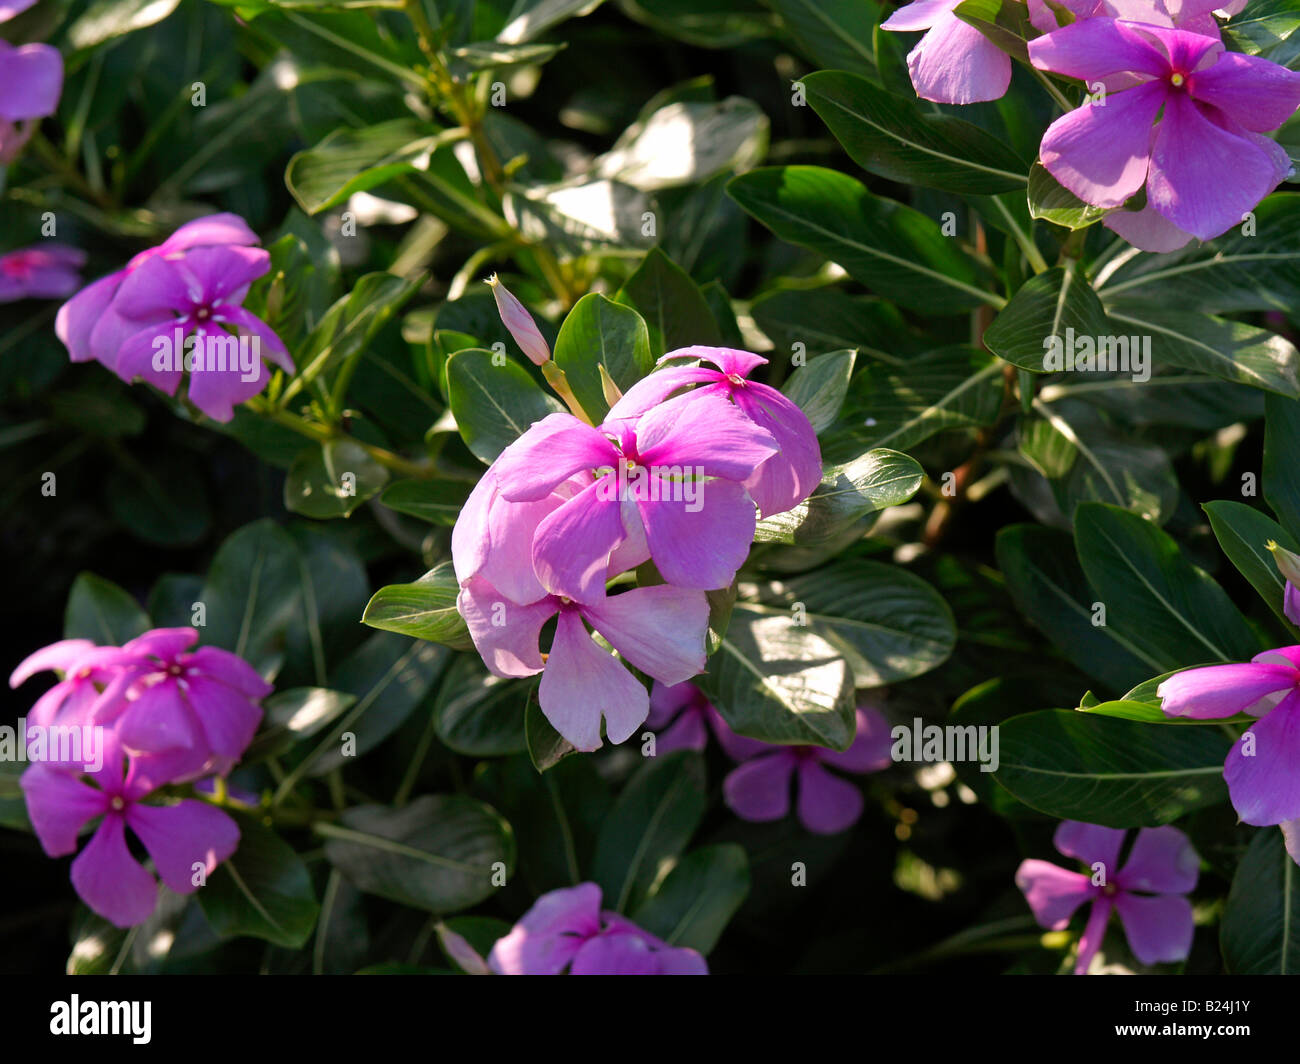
[(546, 487)]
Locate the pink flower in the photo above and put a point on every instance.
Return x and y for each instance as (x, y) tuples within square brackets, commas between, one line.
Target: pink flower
[(566, 931), (181, 838), (673, 478), (1260, 770), (40, 272), (1147, 891), (182, 305), (185, 714), (1182, 117), (759, 790), (784, 479), (89, 324), (31, 79), (954, 62), (86, 669), (660, 630), (10, 8)]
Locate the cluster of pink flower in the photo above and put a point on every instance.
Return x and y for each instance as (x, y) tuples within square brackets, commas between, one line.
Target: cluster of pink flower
[(171, 308), (163, 715), (673, 475), (1169, 108)]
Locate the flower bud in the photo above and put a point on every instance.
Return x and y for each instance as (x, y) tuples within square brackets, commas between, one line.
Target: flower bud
[(515, 317), (1287, 562)]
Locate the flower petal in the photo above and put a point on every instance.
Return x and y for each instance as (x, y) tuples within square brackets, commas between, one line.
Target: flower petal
[(659, 629), (505, 633), (1162, 861), (1203, 177), (1101, 153), (1094, 48), (706, 435), (548, 454), (1053, 892), (180, 836), (61, 655), (615, 954), (573, 544), (110, 880), (31, 80), (1147, 229), (955, 63), (582, 683), (700, 548), (872, 743), (1264, 786), (790, 476), (1251, 91), (1090, 843), (759, 790), (59, 805), (546, 937), (1222, 690), (1159, 929), (827, 804)]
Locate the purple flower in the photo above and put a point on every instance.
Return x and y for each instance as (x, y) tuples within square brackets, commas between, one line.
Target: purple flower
[(1260, 770), (660, 630), (1189, 129), (86, 670), (759, 789), (180, 308), (650, 483), (1194, 15), (89, 324), (687, 715), (954, 62), (188, 714), (515, 317), (1147, 891), (48, 272), (566, 930), (179, 837), (1291, 603), (782, 481)]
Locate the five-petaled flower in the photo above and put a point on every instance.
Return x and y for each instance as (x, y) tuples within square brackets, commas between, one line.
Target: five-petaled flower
[(1148, 891)]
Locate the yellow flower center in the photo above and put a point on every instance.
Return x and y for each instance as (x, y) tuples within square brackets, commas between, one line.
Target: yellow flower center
[(1177, 80)]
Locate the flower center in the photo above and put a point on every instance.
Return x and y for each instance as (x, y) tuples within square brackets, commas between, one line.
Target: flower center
[(1177, 80), (736, 379), (175, 670), (1110, 890), (117, 804), (204, 313)]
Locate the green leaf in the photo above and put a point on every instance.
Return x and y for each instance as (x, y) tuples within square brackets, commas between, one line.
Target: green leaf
[(439, 853), (102, 612), (332, 480), (492, 55), (1281, 480), (819, 386), (478, 714), (494, 401), (1260, 271), (535, 17), (694, 903), (847, 495), (1118, 773), (1231, 350), (889, 624), (599, 332), (293, 715), (834, 34), (1260, 932), (160, 502), (351, 324), (1053, 202), (437, 501), (774, 680), (674, 310), (264, 890), (425, 609), (898, 252), (546, 747), (891, 136), (952, 388), (354, 160), (825, 319), (1048, 586), (1242, 532), (1153, 596), (652, 821), (252, 594), (1041, 311), (105, 19)]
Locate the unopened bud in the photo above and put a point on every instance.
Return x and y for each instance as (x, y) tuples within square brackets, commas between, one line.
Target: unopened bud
[(1287, 562), (515, 317)]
